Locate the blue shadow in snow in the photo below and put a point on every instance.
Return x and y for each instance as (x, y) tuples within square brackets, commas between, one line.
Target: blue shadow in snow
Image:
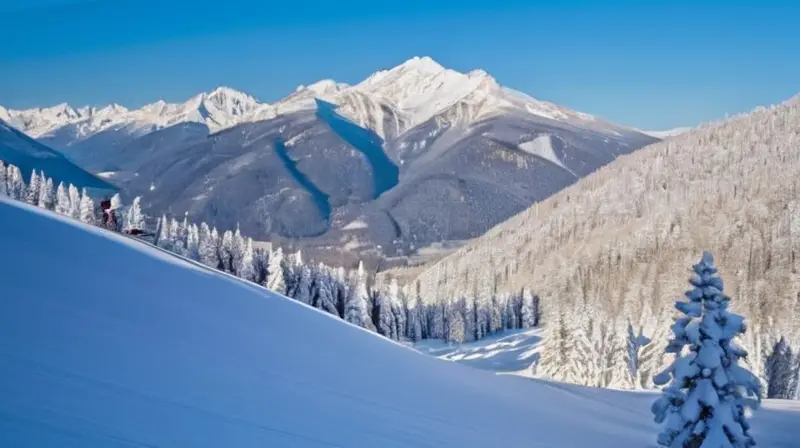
[(321, 200), (385, 173)]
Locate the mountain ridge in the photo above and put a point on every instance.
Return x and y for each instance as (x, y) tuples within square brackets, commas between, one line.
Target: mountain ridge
[(419, 87)]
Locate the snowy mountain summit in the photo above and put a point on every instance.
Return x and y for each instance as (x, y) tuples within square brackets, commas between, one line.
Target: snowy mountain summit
[(416, 90)]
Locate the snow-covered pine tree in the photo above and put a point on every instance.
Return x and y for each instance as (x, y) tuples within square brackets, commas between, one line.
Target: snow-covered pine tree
[(302, 288), (246, 268), (74, 202), (207, 250), (398, 308), (164, 234), (193, 242), (385, 316), (32, 193), (15, 182), (226, 251), (356, 308), (455, 321), (134, 219), (324, 298), (704, 404), (237, 252), (46, 193), (62, 206), (275, 272), (87, 215), (780, 371), (260, 263), (3, 181), (634, 341), (528, 310)]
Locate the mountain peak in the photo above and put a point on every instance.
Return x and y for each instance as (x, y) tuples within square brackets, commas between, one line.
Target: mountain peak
[(424, 64)]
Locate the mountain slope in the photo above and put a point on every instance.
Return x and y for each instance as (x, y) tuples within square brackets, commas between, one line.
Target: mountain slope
[(621, 238), (27, 154), (192, 357)]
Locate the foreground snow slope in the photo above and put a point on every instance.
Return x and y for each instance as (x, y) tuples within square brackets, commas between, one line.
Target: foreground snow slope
[(105, 341)]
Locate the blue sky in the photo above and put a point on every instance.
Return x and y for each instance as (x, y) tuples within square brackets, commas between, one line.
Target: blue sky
[(645, 64)]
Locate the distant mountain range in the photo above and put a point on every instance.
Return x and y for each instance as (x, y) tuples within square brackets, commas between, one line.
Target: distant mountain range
[(410, 156)]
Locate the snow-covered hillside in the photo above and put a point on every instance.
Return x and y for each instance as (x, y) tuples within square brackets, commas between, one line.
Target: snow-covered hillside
[(125, 345), (27, 154)]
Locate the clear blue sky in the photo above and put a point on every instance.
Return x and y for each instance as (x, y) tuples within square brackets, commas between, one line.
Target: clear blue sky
[(642, 63)]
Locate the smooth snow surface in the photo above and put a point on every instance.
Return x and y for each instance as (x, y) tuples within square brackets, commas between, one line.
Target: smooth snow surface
[(124, 345), (542, 146)]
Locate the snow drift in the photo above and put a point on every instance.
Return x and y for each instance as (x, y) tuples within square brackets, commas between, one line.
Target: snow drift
[(105, 341)]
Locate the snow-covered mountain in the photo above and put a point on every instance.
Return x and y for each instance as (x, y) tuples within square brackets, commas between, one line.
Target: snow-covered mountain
[(125, 345), (418, 89), (410, 156), (668, 133)]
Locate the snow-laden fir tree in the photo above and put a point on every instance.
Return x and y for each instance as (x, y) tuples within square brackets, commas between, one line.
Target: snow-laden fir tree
[(356, 308), (207, 247), (275, 274), (529, 312), (780, 371), (63, 205), (87, 215), (704, 404), (164, 240), (3, 181), (323, 286), (134, 218), (74, 202), (32, 192), (46, 192), (226, 251), (246, 269), (15, 183)]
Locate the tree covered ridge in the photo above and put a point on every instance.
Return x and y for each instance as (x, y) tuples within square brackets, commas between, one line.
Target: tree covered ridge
[(619, 238)]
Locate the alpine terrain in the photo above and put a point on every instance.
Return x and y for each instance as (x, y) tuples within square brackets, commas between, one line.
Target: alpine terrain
[(605, 257), (155, 350), (411, 156)]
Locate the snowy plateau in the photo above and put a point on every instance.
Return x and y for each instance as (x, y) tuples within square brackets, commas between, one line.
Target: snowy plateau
[(96, 357), (415, 155)]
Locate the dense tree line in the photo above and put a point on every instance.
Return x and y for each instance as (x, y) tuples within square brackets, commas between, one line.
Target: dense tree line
[(352, 295)]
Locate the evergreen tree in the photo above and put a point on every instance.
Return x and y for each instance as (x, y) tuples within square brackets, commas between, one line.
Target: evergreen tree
[(206, 247), (528, 310), (63, 205), (3, 179), (780, 371), (455, 321), (134, 219), (704, 404), (384, 316), (46, 193), (226, 251), (74, 202), (164, 234), (237, 253), (246, 268), (116, 202), (193, 242), (399, 309), (87, 215), (324, 297), (15, 182), (302, 285), (260, 264), (275, 275), (356, 309), (32, 193)]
